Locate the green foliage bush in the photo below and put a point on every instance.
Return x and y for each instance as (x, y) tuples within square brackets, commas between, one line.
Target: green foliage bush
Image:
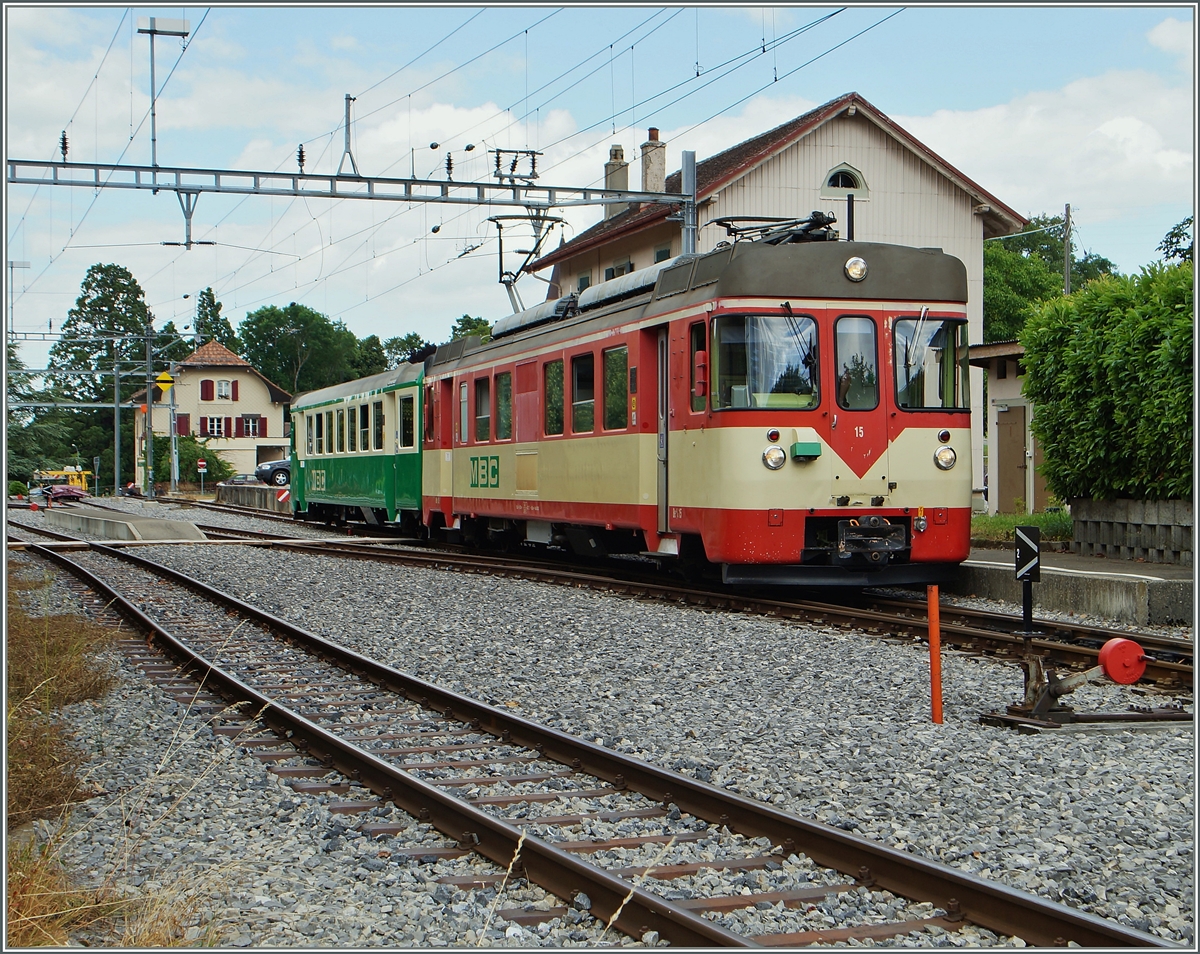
[(1110, 370), (17, 488), (190, 451)]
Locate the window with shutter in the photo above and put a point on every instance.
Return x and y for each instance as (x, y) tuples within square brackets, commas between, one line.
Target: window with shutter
[(239, 427), (206, 390), (183, 424), (262, 427), (234, 386), (204, 427), (228, 426)]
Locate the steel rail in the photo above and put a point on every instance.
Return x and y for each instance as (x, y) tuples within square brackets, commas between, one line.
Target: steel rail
[(996, 907), (559, 872), (960, 635)]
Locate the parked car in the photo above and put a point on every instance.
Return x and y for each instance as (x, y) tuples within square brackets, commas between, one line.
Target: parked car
[(277, 472), (242, 479)]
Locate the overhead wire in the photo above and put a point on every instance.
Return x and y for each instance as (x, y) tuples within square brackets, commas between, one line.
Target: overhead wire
[(96, 196), (733, 60), (82, 99)]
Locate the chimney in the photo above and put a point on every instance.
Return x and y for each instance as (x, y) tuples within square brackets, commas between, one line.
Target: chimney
[(654, 163), (616, 178)]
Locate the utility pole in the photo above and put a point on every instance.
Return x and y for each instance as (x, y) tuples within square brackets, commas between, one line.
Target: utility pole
[(174, 444), (149, 410), (116, 420), (1067, 252), (688, 175), (158, 26), (12, 326)]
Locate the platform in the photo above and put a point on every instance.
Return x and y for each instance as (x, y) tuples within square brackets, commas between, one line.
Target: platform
[(1124, 590), (121, 526)]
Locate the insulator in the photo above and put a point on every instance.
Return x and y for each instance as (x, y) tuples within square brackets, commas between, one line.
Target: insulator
[(300, 156), (449, 166), (62, 144)]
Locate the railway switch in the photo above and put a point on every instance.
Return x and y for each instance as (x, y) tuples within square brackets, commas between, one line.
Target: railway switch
[(1122, 661)]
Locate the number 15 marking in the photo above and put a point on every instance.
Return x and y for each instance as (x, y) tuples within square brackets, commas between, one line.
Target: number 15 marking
[(858, 432)]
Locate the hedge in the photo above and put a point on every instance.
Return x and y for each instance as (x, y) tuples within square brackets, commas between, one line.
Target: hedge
[(1109, 369)]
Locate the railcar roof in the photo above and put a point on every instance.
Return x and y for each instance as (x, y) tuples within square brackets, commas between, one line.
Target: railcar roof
[(795, 272), (405, 374)]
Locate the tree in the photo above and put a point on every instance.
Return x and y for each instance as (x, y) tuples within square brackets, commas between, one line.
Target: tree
[(1013, 286), (35, 440), (402, 349), (211, 325), (467, 326), (108, 321), (370, 357), (298, 348), (1172, 245), (1020, 271), (1110, 369)]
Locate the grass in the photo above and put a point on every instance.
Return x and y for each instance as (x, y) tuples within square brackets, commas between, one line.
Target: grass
[(53, 661), (998, 528)]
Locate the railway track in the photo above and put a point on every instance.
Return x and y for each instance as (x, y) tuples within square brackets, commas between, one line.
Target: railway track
[(632, 844), (1061, 643)]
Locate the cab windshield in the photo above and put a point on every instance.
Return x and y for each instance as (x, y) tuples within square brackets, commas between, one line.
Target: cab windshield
[(765, 361), (931, 364)]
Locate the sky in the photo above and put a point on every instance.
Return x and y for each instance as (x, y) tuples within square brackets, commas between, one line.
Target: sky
[(1041, 105)]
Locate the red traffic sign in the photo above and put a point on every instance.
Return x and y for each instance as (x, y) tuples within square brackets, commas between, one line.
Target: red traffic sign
[(202, 466)]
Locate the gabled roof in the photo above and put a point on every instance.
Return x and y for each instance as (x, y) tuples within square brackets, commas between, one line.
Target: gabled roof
[(212, 354), (714, 173)]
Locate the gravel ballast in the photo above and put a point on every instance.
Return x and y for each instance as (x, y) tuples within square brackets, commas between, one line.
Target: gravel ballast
[(823, 723)]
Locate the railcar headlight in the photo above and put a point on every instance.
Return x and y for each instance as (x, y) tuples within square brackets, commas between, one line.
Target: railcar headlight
[(774, 457), (945, 457), (856, 269)]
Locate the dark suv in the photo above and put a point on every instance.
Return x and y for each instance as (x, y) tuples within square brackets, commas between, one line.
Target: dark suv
[(277, 472)]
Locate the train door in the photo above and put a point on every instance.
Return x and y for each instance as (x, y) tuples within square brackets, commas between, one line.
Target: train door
[(664, 382), (445, 452), (858, 427)]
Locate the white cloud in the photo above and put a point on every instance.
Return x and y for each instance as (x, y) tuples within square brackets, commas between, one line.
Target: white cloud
[(1174, 36), (1109, 144)]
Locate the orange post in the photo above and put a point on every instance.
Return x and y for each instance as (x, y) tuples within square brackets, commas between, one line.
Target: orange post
[(935, 652)]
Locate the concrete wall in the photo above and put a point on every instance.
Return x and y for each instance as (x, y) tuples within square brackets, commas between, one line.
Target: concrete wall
[(1154, 531)]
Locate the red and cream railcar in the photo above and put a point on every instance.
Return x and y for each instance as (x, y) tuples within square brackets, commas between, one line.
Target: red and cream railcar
[(794, 412)]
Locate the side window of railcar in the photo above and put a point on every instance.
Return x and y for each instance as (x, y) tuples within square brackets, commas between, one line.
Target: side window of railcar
[(583, 393), (364, 429), (931, 364), (483, 409), (329, 432), (308, 435), (696, 345), (504, 406), (552, 396), (616, 395), (377, 408), (352, 428), (341, 431), (764, 361), (428, 412), (463, 412), (408, 423), (854, 358), (320, 421)]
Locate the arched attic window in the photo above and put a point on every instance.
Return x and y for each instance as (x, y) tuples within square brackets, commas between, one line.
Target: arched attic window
[(843, 180)]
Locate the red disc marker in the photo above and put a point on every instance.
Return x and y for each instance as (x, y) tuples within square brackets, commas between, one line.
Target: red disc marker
[(1122, 661)]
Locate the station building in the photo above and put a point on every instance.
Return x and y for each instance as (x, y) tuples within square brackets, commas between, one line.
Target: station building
[(221, 398)]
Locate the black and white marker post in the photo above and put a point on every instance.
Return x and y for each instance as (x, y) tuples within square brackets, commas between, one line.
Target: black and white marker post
[(1029, 569)]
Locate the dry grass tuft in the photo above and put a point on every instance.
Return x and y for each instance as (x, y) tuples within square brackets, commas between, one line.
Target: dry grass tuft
[(52, 662), (43, 903)]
